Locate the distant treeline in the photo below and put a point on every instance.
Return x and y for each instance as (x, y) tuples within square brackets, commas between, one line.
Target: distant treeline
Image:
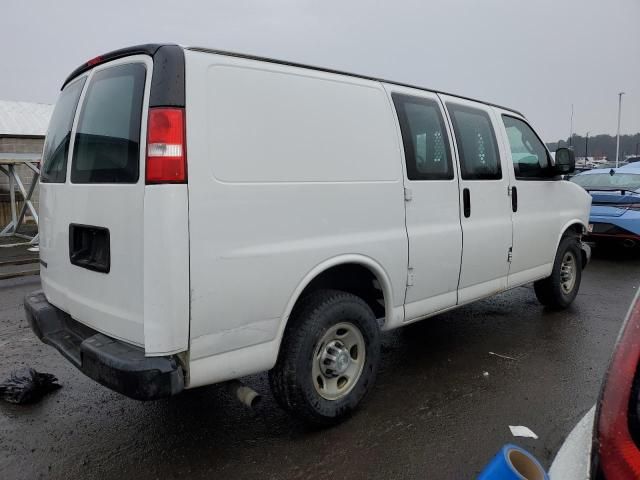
[(601, 145)]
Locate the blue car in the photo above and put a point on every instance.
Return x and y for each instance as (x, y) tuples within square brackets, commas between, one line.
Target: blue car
[(615, 207)]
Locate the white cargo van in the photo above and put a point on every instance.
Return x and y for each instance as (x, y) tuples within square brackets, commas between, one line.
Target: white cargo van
[(207, 215)]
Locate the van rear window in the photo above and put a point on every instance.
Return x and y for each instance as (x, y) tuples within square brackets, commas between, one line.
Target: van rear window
[(107, 140), (56, 148)]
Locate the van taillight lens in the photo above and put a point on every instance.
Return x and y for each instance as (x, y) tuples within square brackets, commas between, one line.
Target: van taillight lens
[(619, 457), (166, 155)]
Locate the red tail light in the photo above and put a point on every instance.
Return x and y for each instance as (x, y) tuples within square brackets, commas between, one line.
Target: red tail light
[(619, 457), (166, 154)]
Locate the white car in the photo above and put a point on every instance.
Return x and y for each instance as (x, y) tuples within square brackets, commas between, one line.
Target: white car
[(207, 215), (605, 444)]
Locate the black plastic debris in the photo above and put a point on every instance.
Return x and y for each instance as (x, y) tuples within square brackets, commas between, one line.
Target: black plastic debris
[(27, 386)]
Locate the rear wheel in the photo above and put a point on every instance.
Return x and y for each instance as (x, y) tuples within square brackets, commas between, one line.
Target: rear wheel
[(559, 290), (328, 358)]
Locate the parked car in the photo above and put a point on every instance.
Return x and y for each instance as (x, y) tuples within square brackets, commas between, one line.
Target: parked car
[(605, 444), (615, 210), (207, 215), (631, 166), (576, 171)]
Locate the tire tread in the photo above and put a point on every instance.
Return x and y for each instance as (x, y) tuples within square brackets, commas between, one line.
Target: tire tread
[(548, 290), (283, 378)]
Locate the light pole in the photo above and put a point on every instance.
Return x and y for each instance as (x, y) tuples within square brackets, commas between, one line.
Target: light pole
[(571, 129), (586, 149), (618, 134)]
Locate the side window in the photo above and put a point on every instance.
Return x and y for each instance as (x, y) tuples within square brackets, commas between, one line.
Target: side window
[(477, 146), (528, 154), (426, 145), (56, 148)]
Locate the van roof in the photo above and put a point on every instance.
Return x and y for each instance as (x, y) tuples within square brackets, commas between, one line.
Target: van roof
[(152, 48)]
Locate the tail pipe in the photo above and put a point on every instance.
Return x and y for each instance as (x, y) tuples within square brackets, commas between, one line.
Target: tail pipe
[(246, 395)]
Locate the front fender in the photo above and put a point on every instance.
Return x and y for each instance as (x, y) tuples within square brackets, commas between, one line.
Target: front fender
[(586, 249)]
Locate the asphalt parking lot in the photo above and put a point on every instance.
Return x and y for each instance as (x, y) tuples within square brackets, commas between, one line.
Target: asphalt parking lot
[(434, 413)]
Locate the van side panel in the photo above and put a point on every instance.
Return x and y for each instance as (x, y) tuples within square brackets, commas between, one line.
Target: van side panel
[(288, 168)]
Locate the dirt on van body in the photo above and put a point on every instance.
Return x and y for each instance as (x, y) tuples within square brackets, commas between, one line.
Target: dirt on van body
[(441, 408)]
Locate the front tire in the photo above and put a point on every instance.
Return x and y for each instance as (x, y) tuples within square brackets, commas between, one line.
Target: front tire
[(328, 359), (559, 290)]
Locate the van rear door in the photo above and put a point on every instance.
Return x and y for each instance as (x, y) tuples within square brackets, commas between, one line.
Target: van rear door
[(92, 200), (114, 219)]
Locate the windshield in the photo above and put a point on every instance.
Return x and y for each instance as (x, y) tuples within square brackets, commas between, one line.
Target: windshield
[(606, 181)]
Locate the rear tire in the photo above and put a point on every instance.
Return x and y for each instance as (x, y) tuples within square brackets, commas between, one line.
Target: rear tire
[(328, 359), (559, 290)]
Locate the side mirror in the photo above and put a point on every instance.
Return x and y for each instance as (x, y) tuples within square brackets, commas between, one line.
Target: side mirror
[(565, 161)]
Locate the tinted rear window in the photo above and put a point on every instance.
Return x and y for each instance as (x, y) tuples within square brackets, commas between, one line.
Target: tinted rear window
[(107, 141), (477, 146), (56, 148), (424, 137)]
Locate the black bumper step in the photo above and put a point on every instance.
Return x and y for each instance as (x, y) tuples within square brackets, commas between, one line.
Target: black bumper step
[(115, 364)]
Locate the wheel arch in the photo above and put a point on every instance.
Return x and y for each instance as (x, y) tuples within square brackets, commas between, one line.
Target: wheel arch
[(324, 268), (576, 227)]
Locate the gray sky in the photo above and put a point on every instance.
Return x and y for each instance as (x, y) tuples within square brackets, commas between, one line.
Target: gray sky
[(536, 56)]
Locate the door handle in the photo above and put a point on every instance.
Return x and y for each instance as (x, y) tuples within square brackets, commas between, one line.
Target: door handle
[(514, 199), (466, 202)]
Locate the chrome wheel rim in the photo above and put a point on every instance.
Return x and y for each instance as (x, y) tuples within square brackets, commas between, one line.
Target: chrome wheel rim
[(568, 272), (338, 361)]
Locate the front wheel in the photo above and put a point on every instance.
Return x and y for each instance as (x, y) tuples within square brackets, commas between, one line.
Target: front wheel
[(328, 358), (559, 290)]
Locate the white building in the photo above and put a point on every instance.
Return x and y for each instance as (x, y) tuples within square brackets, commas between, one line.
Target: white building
[(23, 126)]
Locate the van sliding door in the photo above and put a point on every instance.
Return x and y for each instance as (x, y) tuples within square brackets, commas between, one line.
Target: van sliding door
[(432, 203)]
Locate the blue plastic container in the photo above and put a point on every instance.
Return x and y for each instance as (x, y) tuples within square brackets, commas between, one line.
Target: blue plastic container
[(513, 463)]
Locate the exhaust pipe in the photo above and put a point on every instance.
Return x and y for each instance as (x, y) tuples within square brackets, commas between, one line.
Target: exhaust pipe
[(246, 395), (629, 243)]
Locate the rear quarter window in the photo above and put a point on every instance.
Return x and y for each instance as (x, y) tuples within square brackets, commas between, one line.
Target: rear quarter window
[(107, 140)]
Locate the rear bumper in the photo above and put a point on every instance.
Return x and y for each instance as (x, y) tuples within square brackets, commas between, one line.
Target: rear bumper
[(626, 226), (118, 365)]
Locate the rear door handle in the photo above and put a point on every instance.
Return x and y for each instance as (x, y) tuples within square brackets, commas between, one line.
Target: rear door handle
[(466, 202), (514, 199)]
